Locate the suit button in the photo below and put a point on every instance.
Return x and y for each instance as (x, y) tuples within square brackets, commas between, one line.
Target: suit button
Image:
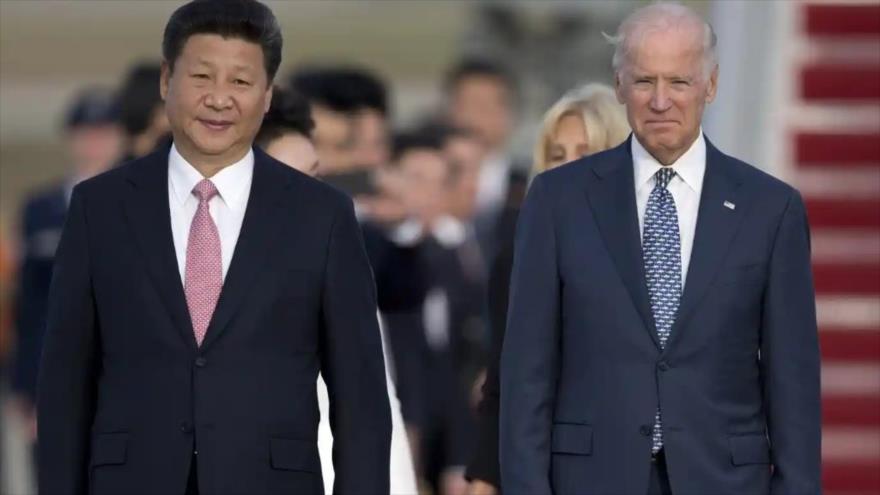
[(646, 430), (201, 362), (663, 366), (186, 427)]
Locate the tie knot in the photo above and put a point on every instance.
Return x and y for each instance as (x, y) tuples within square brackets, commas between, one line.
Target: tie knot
[(205, 190), (663, 176)]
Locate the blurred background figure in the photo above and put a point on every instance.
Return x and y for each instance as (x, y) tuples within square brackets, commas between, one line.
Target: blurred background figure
[(6, 274), (465, 153), (451, 317), (6, 278), (286, 135), (142, 111), (586, 120), (94, 143), (5, 337), (481, 97), (286, 132), (350, 109)]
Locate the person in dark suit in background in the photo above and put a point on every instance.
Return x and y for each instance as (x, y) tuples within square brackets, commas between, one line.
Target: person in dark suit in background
[(481, 97), (351, 112), (93, 142), (661, 336), (452, 308), (349, 106), (286, 135), (286, 132), (199, 290), (586, 120), (141, 110)]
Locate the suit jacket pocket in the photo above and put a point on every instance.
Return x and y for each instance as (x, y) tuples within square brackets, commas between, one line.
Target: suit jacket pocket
[(109, 449), (751, 448), (290, 454), (568, 438)]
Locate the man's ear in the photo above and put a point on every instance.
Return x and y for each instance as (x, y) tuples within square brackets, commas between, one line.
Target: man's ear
[(618, 87), (165, 75), (269, 92), (712, 86)]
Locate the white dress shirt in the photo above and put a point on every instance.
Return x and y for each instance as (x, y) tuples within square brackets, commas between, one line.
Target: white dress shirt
[(493, 182), (686, 187), (227, 208)]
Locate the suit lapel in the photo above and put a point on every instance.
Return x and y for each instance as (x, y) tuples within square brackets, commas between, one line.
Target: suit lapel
[(612, 198), (717, 224), (258, 231), (149, 217)]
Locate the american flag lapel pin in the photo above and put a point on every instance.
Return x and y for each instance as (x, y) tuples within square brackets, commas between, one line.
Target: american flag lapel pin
[(728, 204)]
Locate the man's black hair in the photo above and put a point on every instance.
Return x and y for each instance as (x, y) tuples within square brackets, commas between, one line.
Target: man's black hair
[(479, 67), (249, 20), (404, 142), (444, 131), (431, 137), (345, 90), (139, 97), (289, 112)]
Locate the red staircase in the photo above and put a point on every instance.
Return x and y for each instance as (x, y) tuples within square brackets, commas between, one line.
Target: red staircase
[(837, 166)]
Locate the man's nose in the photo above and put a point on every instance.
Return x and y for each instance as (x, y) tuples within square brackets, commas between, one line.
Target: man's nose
[(660, 98), (219, 98)]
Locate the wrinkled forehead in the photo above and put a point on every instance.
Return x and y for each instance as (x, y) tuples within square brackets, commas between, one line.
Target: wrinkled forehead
[(665, 47)]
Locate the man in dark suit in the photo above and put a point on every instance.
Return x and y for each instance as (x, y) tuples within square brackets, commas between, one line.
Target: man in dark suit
[(662, 333), (172, 364), (482, 97), (92, 139)]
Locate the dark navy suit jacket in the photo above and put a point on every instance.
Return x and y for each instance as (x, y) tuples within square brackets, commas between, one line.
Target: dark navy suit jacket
[(582, 371), (41, 224), (126, 396)]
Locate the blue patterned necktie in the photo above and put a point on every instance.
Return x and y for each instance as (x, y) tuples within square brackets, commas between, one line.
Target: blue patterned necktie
[(662, 251)]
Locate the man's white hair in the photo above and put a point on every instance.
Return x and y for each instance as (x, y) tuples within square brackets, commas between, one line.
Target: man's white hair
[(661, 16)]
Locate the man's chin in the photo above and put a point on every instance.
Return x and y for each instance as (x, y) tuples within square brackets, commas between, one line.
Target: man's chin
[(209, 148)]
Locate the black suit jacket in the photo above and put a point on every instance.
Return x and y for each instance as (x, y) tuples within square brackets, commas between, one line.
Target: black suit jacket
[(484, 463), (125, 394), (582, 371), (41, 224), (401, 283)]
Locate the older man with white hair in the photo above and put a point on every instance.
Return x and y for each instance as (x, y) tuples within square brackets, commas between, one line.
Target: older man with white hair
[(662, 332)]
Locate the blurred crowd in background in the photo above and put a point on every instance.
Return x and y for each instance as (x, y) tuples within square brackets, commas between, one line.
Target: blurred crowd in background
[(436, 150)]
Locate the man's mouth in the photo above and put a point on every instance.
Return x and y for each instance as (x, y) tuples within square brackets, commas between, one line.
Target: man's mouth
[(216, 125)]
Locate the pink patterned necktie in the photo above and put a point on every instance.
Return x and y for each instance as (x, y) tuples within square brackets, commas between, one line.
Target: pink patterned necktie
[(204, 268)]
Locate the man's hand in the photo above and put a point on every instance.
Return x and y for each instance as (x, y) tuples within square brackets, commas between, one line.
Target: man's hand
[(480, 487), (26, 413), (452, 482)]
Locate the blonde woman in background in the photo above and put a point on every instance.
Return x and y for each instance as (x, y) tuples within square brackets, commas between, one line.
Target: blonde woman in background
[(586, 120)]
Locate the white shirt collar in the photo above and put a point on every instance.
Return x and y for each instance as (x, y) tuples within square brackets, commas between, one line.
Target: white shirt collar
[(448, 231), (492, 181), (231, 182), (691, 166)]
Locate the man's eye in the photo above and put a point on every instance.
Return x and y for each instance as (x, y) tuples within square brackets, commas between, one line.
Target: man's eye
[(241, 82), (200, 76)]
